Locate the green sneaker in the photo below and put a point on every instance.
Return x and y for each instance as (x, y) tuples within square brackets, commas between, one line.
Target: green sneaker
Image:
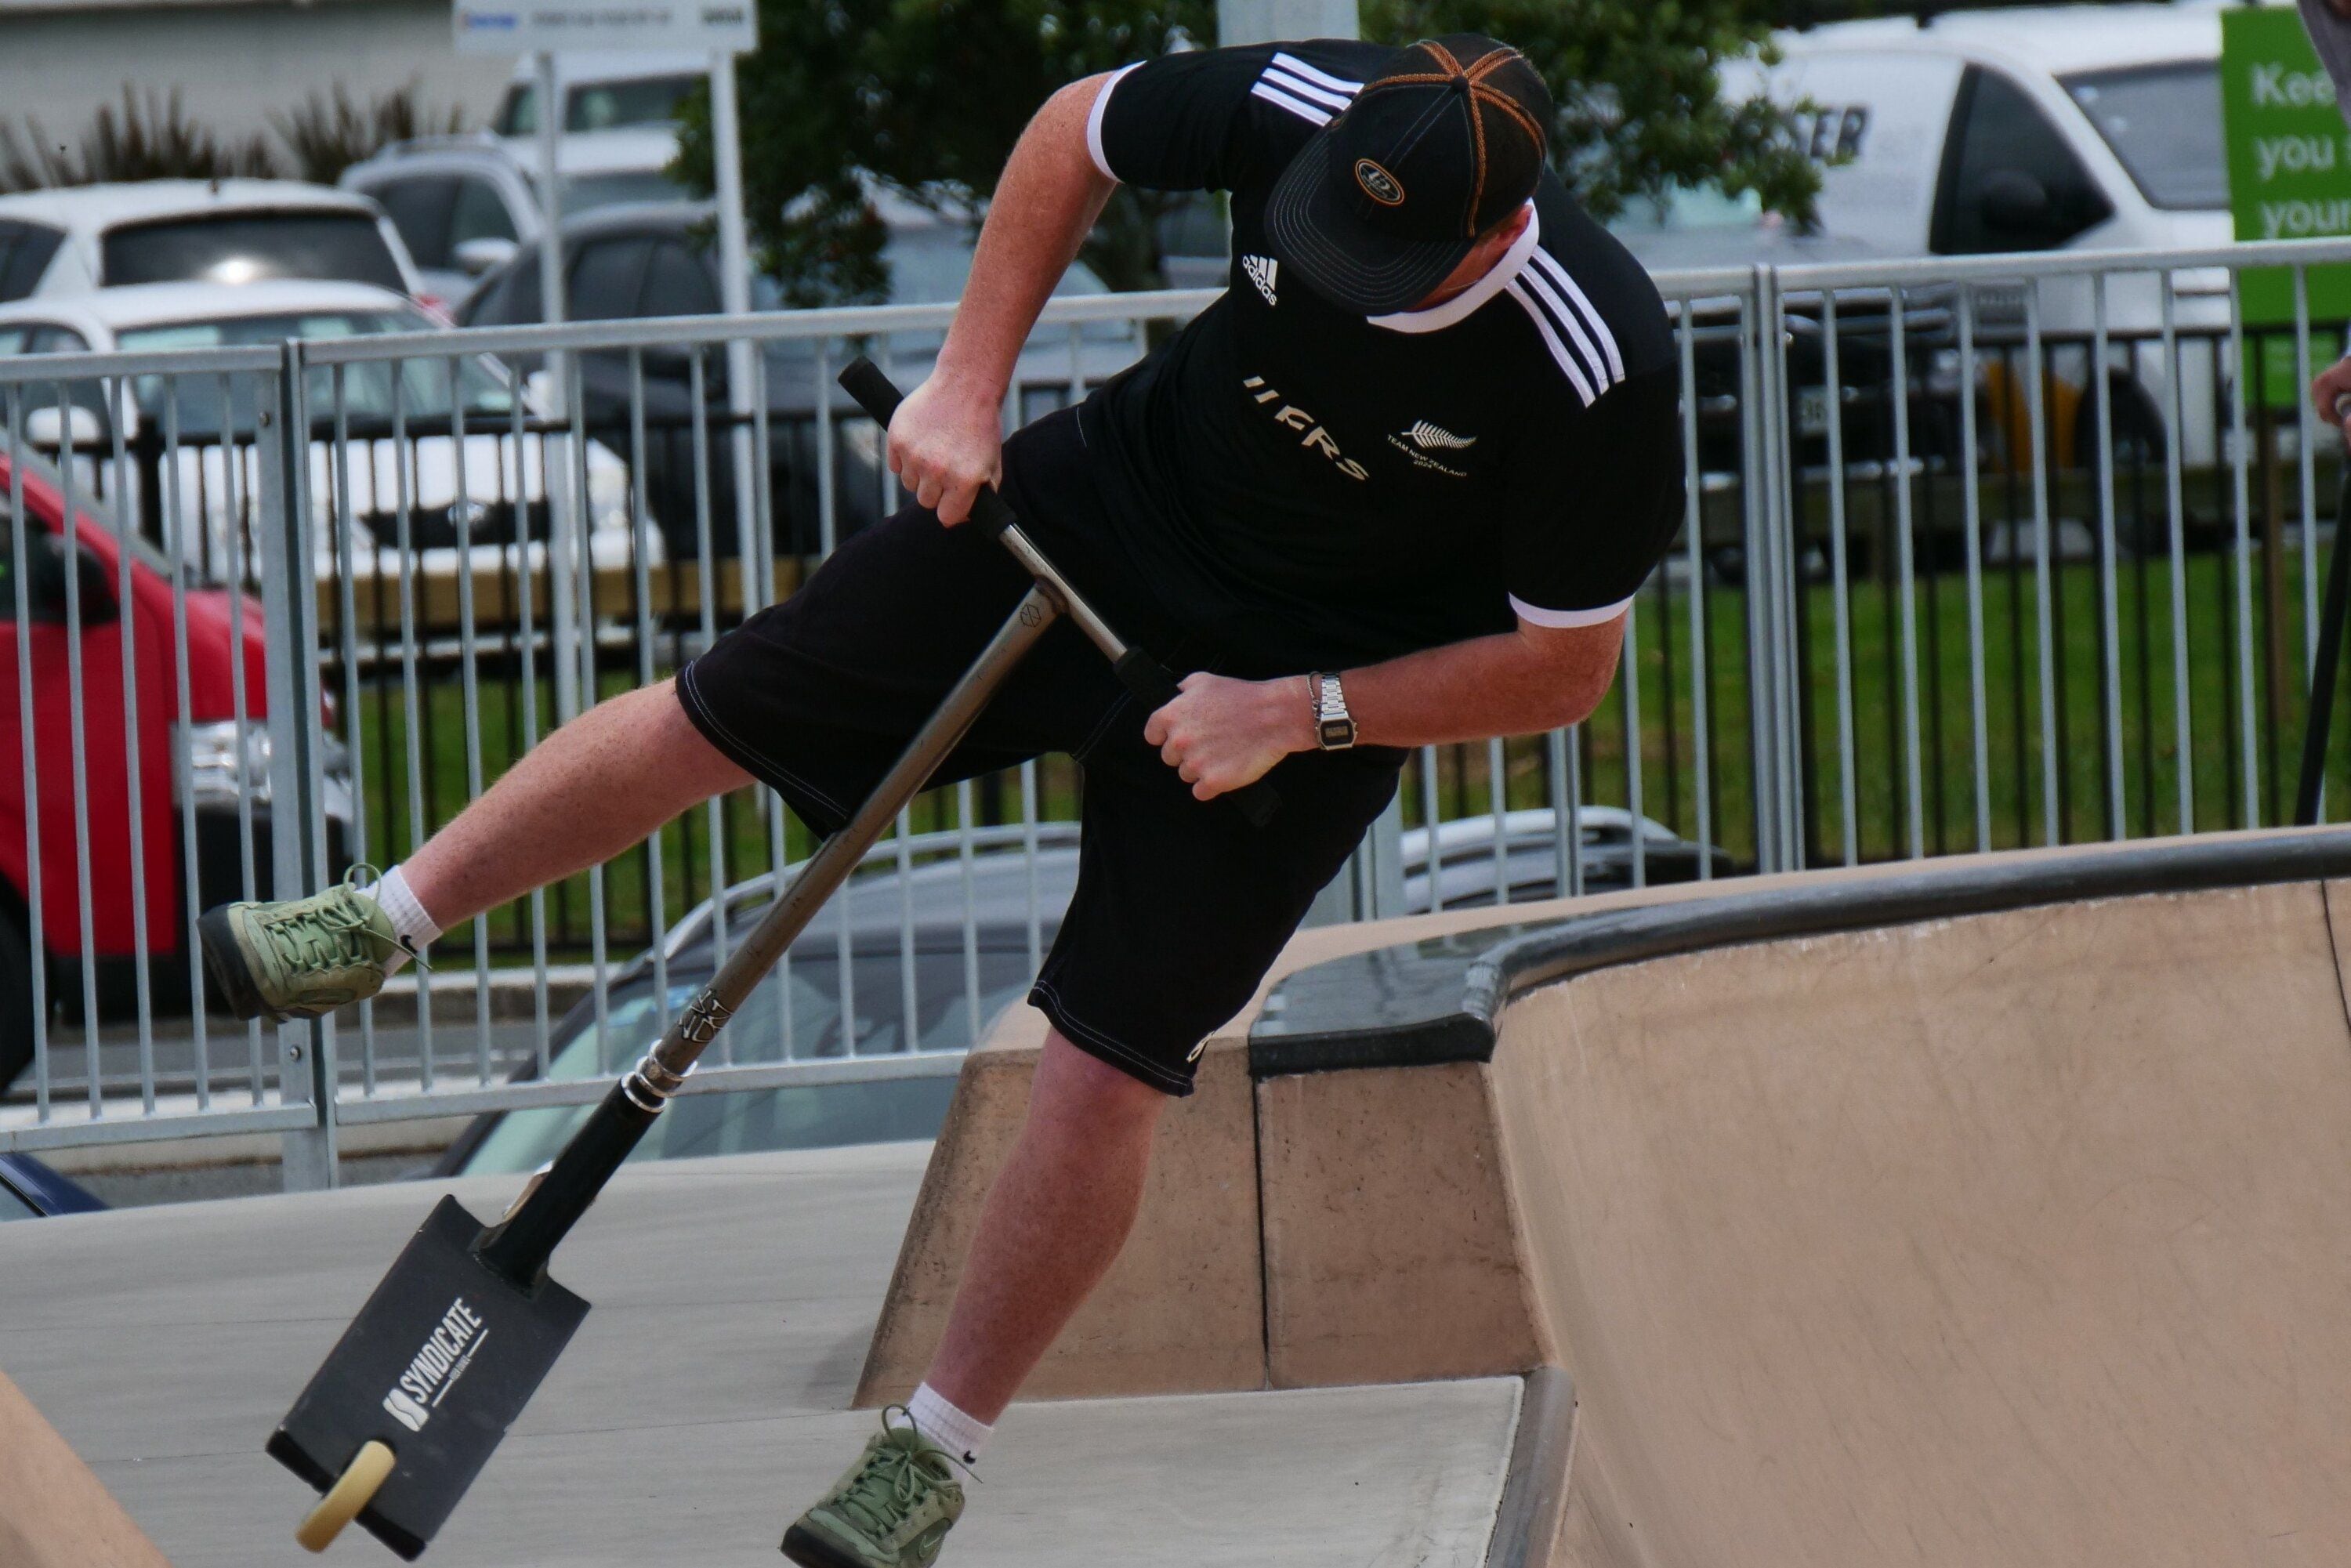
[(892, 1509), (302, 956)]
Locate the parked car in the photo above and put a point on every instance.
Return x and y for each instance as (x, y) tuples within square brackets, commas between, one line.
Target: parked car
[(464, 204), (1000, 890), (2034, 129), (228, 761), (217, 463), (31, 1190), (631, 262), (73, 240), (604, 89)]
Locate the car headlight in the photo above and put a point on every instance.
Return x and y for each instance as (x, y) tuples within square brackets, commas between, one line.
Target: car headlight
[(219, 766)]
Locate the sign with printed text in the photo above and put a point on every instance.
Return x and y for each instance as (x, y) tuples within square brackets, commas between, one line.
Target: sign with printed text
[(508, 28), (2289, 178)]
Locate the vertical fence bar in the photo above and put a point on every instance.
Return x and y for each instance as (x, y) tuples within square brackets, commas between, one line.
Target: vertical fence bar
[(1841, 606), (1972, 524), (183, 743), (1497, 807), (1907, 567), (707, 581), (115, 395), (2110, 661), (461, 510), (281, 440), (1432, 817), (78, 750), (1694, 527), (1556, 785), (641, 572), (346, 611), (526, 627), (2239, 468), (36, 890), (1758, 343), (1635, 801), (2305, 451), (2036, 371), (405, 480), (970, 927), (2175, 485)]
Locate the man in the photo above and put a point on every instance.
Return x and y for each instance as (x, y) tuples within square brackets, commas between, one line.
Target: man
[(1397, 487)]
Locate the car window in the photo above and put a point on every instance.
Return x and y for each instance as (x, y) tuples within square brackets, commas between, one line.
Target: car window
[(25, 252), (2164, 123), (648, 100), (243, 248), (677, 283), (11, 1206), (47, 338), (367, 388), (418, 206), (477, 212), (605, 279), (517, 112), (583, 191), (2010, 182)]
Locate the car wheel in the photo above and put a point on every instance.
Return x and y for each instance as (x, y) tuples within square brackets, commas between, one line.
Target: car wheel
[(16, 996)]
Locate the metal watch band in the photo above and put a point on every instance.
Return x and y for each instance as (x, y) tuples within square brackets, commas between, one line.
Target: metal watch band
[(1334, 727)]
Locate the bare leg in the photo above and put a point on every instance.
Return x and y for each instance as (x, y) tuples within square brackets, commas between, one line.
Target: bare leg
[(1054, 1221), (580, 797)]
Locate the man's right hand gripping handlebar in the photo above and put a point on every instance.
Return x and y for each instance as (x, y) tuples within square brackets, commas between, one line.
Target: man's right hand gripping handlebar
[(1141, 674)]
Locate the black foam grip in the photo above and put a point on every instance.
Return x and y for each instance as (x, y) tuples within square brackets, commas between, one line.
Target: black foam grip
[(1148, 680), (862, 379)]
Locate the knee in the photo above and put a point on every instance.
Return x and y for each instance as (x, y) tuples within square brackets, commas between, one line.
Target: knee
[(1085, 1091)]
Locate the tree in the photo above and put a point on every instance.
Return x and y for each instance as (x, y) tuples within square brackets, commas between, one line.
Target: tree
[(1635, 86), (927, 97)]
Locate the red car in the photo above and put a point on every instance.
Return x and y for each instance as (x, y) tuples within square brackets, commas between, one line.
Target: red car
[(221, 765)]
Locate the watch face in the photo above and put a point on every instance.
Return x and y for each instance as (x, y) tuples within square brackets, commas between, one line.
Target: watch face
[(1338, 732)]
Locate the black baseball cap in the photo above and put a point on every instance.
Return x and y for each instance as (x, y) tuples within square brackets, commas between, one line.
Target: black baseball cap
[(1385, 200)]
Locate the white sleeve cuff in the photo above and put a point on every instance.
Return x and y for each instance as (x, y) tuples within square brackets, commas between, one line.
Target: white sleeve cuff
[(1094, 122), (1537, 615)]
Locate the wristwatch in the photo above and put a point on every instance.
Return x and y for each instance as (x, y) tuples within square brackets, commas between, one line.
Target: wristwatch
[(1334, 727)]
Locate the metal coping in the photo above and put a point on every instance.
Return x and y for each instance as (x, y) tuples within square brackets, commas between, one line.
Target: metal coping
[(1441, 1000)]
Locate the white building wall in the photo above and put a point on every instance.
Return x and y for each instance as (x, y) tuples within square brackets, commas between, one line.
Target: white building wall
[(234, 64)]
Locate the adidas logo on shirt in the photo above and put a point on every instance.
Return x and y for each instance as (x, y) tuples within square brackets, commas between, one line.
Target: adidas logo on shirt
[(1260, 270)]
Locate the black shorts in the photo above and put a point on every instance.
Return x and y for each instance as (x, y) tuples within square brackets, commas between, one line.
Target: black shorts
[(1181, 905)]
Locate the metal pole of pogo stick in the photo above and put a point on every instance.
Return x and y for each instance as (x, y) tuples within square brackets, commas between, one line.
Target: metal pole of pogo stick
[(518, 1247), (1144, 676), (2319, 718)]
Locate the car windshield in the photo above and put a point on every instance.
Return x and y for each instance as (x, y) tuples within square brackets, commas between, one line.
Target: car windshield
[(1683, 208), (249, 248), (367, 394), (582, 193), (800, 1116), (2164, 123), (599, 105)]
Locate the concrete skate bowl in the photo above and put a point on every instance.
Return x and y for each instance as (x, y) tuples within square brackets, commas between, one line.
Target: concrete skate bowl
[(1994, 1213)]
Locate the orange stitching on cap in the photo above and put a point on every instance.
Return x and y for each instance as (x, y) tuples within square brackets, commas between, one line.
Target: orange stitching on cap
[(1492, 61), (1478, 194), (1444, 57), (1513, 108), (1400, 81)]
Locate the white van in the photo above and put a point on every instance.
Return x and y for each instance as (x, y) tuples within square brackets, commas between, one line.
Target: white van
[(2034, 129)]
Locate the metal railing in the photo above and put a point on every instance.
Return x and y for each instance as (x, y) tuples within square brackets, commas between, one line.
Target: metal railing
[(1976, 552)]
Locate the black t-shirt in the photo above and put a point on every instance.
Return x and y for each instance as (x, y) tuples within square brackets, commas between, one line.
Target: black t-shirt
[(1308, 486)]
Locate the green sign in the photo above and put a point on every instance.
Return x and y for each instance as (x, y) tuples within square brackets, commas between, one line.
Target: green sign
[(2289, 176)]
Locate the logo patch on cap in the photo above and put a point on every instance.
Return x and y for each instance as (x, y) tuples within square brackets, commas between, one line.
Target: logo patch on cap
[(1378, 183)]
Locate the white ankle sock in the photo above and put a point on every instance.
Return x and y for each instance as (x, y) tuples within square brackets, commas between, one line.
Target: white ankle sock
[(960, 1435), (409, 921)]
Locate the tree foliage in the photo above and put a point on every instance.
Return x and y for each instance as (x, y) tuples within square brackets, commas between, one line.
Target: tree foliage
[(927, 97), (1634, 85)]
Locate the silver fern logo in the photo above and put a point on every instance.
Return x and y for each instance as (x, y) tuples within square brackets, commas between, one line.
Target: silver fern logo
[(1437, 438)]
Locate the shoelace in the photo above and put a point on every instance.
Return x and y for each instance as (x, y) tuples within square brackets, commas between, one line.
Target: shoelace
[(335, 932), (894, 1483)]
